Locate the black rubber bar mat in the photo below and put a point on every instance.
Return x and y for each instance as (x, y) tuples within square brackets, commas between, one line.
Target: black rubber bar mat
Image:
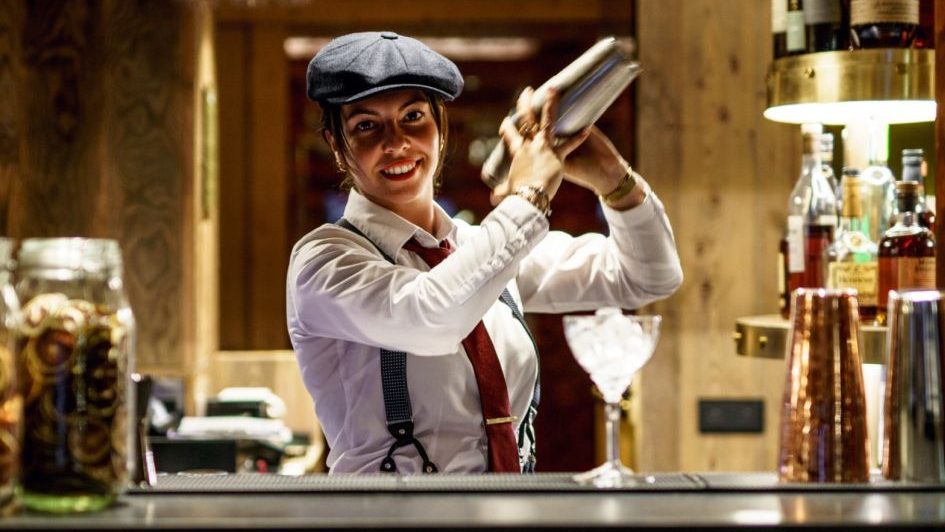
[(443, 483)]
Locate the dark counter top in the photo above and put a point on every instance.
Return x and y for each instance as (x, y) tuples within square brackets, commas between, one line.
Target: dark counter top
[(537, 502)]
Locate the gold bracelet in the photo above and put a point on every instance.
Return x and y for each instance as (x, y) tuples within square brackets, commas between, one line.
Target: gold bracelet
[(627, 183), (536, 196)]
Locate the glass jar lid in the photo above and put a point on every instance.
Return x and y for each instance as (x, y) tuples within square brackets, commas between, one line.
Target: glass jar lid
[(91, 255)]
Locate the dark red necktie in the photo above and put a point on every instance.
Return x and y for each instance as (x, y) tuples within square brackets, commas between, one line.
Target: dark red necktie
[(493, 393)]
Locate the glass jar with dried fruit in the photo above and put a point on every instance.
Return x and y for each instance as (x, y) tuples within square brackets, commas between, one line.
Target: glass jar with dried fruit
[(74, 350), (11, 403)]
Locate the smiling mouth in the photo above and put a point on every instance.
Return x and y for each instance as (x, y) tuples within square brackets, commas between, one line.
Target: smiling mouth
[(400, 169)]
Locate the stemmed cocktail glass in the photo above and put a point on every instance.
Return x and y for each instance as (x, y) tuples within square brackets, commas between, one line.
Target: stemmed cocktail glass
[(611, 347)]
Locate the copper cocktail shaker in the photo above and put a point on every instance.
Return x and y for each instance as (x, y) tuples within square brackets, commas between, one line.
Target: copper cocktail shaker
[(588, 86), (823, 418), (914, 420)]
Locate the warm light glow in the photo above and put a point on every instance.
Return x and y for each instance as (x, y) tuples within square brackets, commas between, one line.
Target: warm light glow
[(757, 517), (456, 48), (842, 113)]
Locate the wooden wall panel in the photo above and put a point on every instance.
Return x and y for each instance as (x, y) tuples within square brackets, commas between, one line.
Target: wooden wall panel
[(232, 72), (102, 135), (268, 199), (469, 17), (724, 174), (10, 25), (254, 180)]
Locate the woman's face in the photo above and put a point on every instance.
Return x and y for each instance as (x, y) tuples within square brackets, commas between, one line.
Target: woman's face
[(395, 145)]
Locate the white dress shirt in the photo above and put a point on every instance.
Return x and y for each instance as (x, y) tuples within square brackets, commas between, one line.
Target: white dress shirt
[(345, 301)]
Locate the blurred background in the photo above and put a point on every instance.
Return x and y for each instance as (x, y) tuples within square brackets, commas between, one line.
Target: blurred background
[(181, 128)]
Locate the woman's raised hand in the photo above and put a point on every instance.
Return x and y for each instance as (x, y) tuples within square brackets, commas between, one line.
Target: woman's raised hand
[(537, 159)]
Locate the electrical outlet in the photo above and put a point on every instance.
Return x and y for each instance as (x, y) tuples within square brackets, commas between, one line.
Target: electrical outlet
[(731, 416)]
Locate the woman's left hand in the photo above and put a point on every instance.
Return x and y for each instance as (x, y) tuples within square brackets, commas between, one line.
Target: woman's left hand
[(595, 164)]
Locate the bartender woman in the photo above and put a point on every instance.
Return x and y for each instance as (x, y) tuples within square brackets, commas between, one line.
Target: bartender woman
[(406, 323)]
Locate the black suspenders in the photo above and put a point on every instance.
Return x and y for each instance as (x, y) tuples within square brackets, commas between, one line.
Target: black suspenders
[(398, 412)]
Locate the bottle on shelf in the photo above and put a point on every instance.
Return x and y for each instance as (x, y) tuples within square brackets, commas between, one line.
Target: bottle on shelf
[(795, 31), (883, 23), (825, 28), (879, 192), (784, 291), (906, 252), (779, 28), (851, 260), (913, 162), (925, 33), (826, 156), (812, 217)]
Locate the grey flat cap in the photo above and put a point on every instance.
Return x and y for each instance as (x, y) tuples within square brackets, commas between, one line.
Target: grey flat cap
[(358, 65)]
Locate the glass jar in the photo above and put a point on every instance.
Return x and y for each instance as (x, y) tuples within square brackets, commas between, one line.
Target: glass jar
[(75, 356), (11, 404)]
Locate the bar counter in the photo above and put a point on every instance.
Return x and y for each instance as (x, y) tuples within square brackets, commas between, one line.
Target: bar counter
[(712, 501)]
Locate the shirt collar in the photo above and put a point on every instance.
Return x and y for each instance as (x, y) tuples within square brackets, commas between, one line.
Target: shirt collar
[(389, 231)]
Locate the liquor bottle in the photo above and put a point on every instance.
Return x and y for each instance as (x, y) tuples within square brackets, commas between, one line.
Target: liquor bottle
[(784, 302), (912, 164), (879, 192), (812, 217), (826, 156), (925, 33), (883, 23), (851, 258), (823, 22), (779, 28), (906, 252), (796, 34)]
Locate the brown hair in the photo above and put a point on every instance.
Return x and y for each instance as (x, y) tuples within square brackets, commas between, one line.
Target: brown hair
[(332, 123)]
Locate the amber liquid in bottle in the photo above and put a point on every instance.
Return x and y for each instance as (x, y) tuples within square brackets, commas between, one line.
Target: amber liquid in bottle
[(816, 240), (906, 252), (784, 291)]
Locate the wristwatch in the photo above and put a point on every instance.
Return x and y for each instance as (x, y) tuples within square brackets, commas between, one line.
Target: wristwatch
[(536, 196)]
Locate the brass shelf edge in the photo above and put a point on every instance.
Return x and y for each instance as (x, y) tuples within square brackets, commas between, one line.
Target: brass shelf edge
[(766, 336), (857, 75)]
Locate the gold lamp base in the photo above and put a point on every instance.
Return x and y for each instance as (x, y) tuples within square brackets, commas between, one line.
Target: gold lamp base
[(890, 85)]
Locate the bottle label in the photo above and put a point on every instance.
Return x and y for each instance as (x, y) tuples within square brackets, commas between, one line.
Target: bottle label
[(880, 11), (826, 220), (795, 243), (821, 11), (796, 37), (861, 276), (778, 16), (915, 272)]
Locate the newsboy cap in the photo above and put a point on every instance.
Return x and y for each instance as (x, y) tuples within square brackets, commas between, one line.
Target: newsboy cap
[(358, 65)]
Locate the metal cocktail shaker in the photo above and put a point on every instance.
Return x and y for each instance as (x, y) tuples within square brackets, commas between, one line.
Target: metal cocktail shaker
[(823, 418), (914, 421), (588, 86)]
